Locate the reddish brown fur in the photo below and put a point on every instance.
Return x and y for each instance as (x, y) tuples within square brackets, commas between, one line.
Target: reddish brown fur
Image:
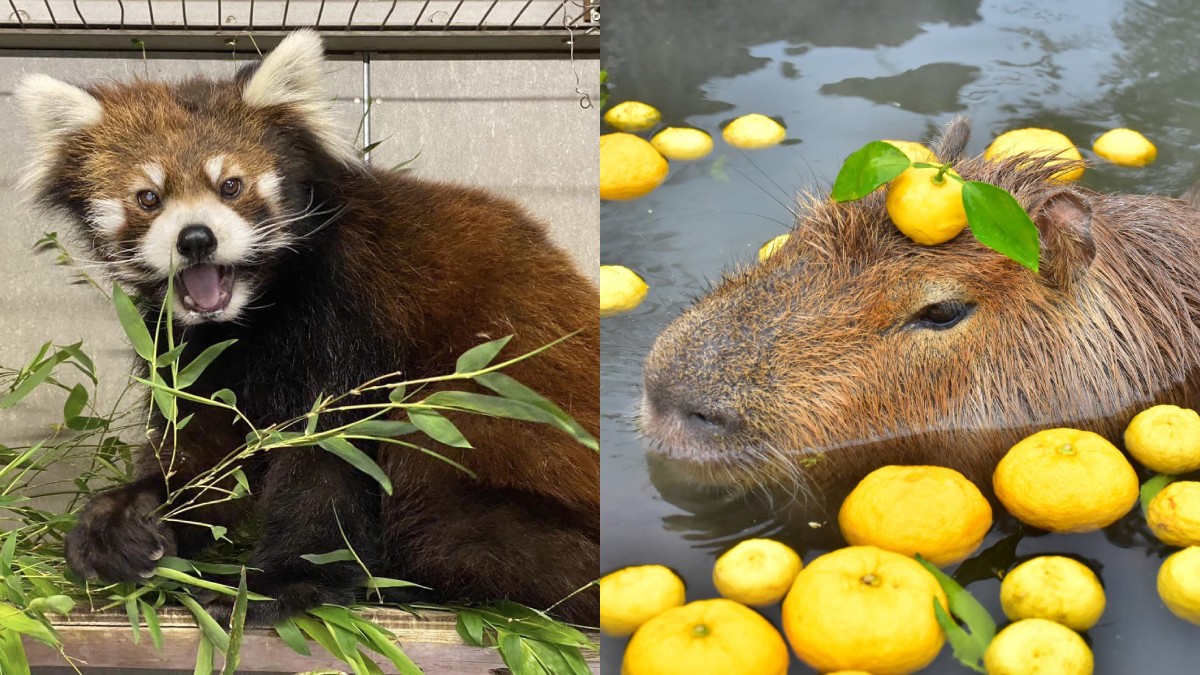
[(407, 276), (808, 352)]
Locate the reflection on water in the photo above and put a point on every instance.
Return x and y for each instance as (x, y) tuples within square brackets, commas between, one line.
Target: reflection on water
[(838, 74)]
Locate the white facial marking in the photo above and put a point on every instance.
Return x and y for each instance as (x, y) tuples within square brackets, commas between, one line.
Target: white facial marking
[(106, 215), (235, 236), (213, 168), (155, 174), (269, 185)]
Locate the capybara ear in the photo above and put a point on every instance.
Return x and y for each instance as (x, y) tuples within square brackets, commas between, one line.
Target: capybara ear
[(1064, 221), (951, 144)]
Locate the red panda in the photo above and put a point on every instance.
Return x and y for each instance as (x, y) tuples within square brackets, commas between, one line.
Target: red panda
[(327, 273)]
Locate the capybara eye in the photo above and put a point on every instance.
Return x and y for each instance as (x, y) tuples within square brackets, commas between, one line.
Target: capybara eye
[(148, 199), (941, 315), (231, 188)]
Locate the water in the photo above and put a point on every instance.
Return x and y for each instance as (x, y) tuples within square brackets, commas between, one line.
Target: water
[(839, 74)]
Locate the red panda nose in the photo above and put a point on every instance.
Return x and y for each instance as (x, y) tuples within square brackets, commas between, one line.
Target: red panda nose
[(196, 243)]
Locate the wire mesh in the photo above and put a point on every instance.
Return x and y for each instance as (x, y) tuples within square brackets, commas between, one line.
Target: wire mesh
[(342, 15)]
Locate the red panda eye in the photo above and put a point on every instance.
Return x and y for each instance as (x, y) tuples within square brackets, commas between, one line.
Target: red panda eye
[(148, 199), (231, 187)]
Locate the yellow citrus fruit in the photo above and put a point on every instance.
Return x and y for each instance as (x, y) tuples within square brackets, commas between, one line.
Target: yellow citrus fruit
[(1179, 583), (1174, 514), (1066, 480), (929, 213), (682, 143), (621, 289), (753, 132), (706, 637), (1166, 439), (629, 167), (756, 572), (929, 510), (632, 596), (864, 608), (849, 672), (632, 116), (1038, 647), (1125, 147), (915, 151), (1037, 143), (1054, 588), (768, 249)]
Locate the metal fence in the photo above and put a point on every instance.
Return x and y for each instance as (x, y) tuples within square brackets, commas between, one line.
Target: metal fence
[(535, 25)]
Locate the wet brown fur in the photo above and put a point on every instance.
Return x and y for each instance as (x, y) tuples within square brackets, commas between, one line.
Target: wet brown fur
[(811, 350)]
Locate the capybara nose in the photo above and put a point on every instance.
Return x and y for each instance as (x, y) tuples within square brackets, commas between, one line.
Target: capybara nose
[(196, 243), (679, 405)]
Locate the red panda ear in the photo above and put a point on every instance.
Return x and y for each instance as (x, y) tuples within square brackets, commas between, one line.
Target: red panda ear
[(53, 110), (290, 76)]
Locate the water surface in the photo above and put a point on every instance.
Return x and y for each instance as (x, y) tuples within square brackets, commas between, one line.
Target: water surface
[(839, 74)]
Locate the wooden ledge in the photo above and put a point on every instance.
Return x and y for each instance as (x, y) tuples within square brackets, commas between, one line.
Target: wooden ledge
[(105, 640)]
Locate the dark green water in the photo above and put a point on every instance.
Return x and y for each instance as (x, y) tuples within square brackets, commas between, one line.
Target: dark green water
[(839, 74)]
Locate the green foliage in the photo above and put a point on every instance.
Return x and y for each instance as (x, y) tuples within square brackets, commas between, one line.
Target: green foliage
[(996, 218), (1150, 490), (529, 642), (968, 644), (34, 581)]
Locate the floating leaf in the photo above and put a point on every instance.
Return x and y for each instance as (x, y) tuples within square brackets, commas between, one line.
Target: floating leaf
[(999, 222), (966, 647), (964, 606), (1151, 488), (866, 169)]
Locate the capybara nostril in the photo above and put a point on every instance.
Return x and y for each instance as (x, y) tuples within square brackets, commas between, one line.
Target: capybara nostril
[(196, 243), (679, 406)]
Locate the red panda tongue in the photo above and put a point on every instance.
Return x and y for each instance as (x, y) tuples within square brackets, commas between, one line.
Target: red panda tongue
[(202, 283)]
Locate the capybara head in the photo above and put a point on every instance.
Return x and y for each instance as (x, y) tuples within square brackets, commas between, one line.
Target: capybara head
[(853, 347)]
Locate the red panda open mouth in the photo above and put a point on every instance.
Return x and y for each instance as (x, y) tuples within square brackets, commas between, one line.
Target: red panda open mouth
[(205, 288)]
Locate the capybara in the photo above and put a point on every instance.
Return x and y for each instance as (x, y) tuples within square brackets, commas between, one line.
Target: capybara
[(852, 347)]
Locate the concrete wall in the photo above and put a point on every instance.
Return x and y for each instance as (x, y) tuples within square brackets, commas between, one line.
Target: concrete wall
[(511, 124)]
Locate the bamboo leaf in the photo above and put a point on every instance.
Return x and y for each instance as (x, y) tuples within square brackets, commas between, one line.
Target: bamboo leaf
[(212, 631), (357, 459), (204, 657), (999, 222), (470, 628), (153, 625), (383, 642), (237, 626), (12, 654), (386, 582), (290, 633), (28, 384), (185, 578), (57, 604), (440, 429), (133, 324), (75, 402), (479, 357), (131, 610), (192, 371), (340, 555), (381, 428), (866, 169), (12, 618), (168, 357)]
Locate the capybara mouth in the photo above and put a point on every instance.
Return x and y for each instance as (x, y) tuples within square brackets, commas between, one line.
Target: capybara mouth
[(205, 288)]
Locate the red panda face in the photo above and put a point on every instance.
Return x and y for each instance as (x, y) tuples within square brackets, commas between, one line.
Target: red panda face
[(199, 186)]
